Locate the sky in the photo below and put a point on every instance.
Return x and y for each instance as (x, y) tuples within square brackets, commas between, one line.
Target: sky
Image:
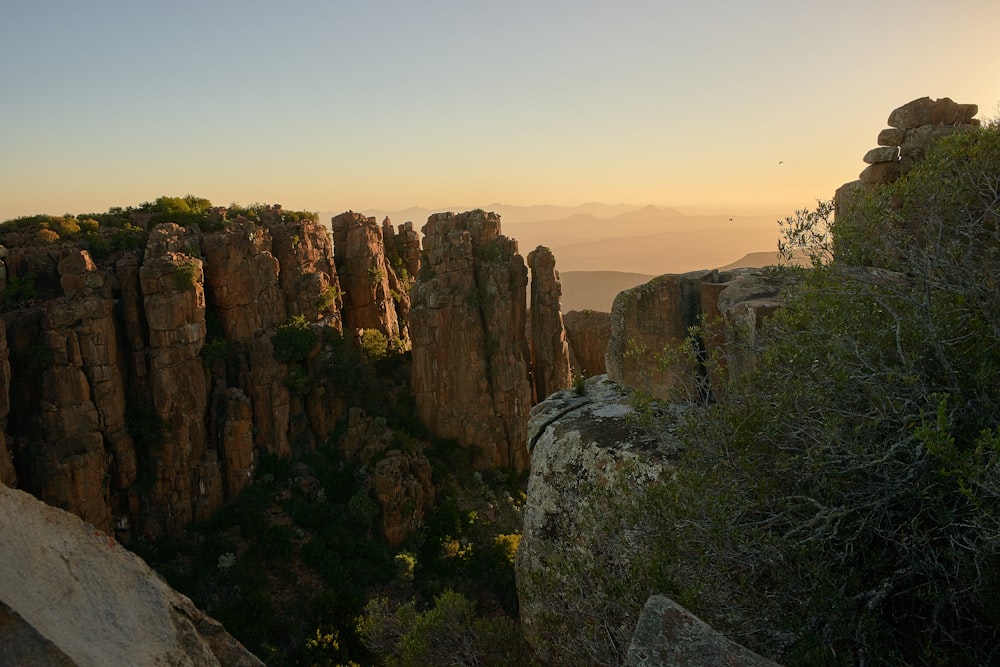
[(335, 105)]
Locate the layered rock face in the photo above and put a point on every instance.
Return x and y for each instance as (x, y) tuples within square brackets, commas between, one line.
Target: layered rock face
[(369, 281), (110, 405), (470, 355), (588, 333), (70, 595), (549, 347), (912, 128)]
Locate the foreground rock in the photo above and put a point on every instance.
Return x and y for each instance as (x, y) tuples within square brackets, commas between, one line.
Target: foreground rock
[(668, 634), (582, 447), (92, 602)]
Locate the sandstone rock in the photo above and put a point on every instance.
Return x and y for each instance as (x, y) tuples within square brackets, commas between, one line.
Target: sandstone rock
[(549, 348), (881, 154), (111, 608), (405, 494), (308, 277), (236, 439), (359, 252), (925, 111), (241, 279), (728, 306), (668, 634), (77, 272), (890, 136), (174, 305), (645, 320), (881, 172), (588, 332), (470, 356), (916, 141)]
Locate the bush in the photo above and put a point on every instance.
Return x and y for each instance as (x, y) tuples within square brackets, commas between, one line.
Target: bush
[(841, 503), (187, 274), (293, 340)]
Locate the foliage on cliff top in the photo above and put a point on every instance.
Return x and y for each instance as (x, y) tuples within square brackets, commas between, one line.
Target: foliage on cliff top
[(841, 503), (185, 210)]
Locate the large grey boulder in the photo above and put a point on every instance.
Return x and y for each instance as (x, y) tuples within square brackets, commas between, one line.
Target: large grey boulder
[(90, 601)]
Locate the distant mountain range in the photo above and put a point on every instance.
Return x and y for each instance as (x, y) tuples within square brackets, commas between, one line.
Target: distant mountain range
[(623, 238)]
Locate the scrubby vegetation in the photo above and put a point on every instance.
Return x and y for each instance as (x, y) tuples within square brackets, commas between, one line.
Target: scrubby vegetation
[(297, 569), (840, 502)]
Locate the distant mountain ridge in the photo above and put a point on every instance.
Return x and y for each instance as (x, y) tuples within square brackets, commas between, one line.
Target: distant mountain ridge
[(624, 238)]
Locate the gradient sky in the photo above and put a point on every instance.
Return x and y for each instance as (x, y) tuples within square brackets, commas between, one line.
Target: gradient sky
[(330, 105)]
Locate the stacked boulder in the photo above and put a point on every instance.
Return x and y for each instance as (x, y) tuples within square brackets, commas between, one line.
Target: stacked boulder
[(912, 128)]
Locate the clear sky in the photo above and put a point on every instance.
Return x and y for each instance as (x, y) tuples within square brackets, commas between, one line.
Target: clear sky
[(330, 105)]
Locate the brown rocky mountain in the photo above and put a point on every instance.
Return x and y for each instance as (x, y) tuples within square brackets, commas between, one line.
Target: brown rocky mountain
[(140, 390)]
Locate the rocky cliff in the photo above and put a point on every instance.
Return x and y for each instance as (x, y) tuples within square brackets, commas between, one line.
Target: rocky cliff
[(549, 346), (375, 295), (147, 367), (142, 386), (470, 356), (648, 320), (588, 333)]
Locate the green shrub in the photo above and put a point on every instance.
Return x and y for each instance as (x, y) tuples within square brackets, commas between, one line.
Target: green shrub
[(187, 274), (840, 504), (293, 340)]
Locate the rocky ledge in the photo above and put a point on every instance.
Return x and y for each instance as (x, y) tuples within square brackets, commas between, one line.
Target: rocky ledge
[(71, 595)]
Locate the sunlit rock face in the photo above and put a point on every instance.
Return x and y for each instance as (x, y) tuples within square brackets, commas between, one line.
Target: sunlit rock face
[(549, 347), (366, 277), (109, 406), (470, 354)]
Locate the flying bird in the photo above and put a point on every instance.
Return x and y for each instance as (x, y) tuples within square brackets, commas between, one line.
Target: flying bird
[(781, 162)]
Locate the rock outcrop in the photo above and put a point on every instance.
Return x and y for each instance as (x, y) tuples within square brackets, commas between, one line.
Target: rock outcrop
[(72, 596), (588, 333), (549, 348), (581, 445), (366, 277), (651, 318), (912, 128), (138, 390), (470, 355), (401, 480)]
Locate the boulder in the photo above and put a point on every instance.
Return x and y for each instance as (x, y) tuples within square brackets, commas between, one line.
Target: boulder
[(582, 447), (71, 595)]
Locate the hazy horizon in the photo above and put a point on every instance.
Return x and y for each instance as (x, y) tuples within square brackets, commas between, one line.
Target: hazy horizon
[(747, 108)]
